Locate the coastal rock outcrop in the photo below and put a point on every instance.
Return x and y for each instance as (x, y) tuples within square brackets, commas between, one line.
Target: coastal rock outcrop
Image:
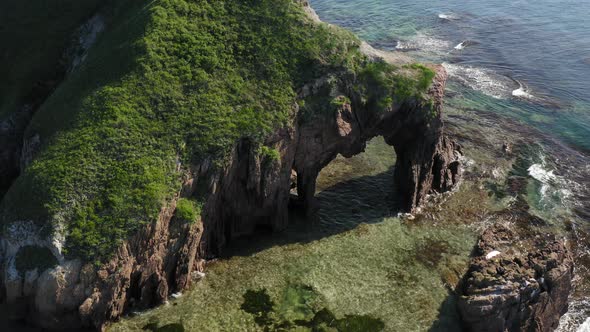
[(516, 283), (335, 114), (427, 161)]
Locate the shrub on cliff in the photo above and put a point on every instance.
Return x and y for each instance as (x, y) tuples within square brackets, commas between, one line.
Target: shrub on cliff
[(187, 210)]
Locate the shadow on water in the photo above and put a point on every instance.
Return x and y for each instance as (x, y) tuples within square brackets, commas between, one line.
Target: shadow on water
[(341, 208), (269, 316)]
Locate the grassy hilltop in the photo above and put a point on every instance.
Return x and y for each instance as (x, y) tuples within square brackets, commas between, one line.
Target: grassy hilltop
[(167, 82)]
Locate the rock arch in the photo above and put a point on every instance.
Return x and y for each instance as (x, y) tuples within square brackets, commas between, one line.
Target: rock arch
[(255, 191), (427, 161)]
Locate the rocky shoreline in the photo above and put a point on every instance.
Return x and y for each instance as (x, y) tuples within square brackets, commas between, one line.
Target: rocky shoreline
[(516, 283), (525, 290)]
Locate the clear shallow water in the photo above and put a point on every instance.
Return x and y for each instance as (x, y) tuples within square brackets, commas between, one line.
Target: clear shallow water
[(540, 47), (356, 258), (518, 67)]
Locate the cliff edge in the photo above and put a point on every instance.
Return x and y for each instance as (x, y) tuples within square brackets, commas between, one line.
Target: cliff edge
[(173, 127)]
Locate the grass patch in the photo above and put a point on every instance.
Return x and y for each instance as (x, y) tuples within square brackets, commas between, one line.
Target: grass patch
[(269, 155), (187, 210), (386, 84)]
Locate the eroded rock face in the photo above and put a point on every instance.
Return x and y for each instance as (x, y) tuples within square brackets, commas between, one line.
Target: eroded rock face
[(516, 284), (146, 270), (252, 191), (427, 161)]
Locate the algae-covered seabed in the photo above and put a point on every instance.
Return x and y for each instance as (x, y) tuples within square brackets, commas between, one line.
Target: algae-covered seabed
[(356, 258)]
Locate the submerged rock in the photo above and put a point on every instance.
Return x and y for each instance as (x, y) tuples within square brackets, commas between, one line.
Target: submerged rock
[(525, 288)]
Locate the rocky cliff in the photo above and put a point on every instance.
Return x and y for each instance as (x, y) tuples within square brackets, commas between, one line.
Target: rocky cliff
[(335, 110), (517, 281)]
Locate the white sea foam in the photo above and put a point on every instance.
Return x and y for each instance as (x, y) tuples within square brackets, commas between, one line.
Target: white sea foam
[(576, 319), (552, 185), (492, 254), (448, 17), (522, 92), (484, 80), (424, 42), (538, 172), (585, 327)]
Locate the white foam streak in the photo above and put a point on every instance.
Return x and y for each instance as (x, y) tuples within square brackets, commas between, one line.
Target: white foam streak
[(585, 327), (480, 79), (576, 319), (521, 93), (551, 185), (425, 43), (541, 174), (448, 17)]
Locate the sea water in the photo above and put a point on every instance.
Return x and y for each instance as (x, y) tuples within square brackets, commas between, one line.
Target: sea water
[(519, 75)]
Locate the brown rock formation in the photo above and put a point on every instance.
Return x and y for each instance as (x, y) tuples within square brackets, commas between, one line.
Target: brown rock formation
[(427, 161), (522, 285), (252, 191), (143, 273)]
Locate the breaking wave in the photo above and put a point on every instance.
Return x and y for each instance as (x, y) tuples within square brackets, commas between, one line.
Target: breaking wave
[(576, 319), (484, 80), (448, 16), (424, 42), (554, 189), (522, 92)]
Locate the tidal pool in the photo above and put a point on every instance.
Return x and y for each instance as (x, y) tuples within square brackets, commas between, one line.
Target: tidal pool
[(355, 267)]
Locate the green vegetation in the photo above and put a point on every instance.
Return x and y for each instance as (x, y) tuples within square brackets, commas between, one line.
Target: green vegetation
[(259, 304), (172, 80), (269, 155), (187, 210), (381, 268), (34, 257), (385, 84), (340, 101), (425, 76)]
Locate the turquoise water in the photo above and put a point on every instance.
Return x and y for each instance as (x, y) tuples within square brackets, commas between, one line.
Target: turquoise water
[(540, 46), (517, 67), (357, 263)]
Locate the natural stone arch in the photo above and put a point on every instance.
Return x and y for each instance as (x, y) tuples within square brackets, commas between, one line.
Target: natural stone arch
[(427, 161)]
